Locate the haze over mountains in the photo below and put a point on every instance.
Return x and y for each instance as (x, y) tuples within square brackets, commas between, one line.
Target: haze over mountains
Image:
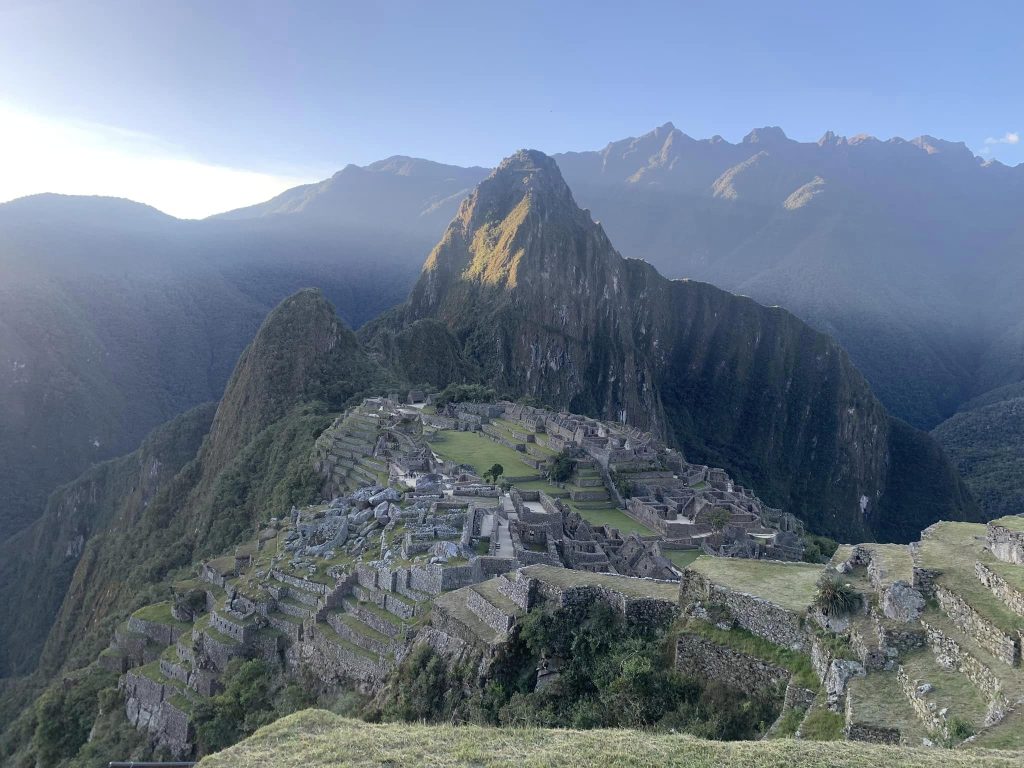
[(525, 293), (115, 317)]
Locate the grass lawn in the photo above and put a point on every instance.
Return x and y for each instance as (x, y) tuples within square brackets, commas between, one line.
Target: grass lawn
[(479, 452), (789, 585), (319, 739), (681, 557), (615, 518)]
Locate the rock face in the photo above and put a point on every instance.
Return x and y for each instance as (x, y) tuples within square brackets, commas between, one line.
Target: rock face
[(536, 298), (902, 602)]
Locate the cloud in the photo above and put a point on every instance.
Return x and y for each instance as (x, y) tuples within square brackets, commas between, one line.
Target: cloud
[(1010, 137), (42, 154)]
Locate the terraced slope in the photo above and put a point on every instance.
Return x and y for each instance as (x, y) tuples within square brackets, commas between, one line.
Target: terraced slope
[(318, 739)]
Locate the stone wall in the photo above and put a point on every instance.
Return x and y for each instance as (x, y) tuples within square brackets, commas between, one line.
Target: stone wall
[(489, 613), (1000, 588), (990, 637), (333, 663), (148, 705), (1006, 545), (951, 654), (161, 634), (764, 619), (875, 734), (700, 658)]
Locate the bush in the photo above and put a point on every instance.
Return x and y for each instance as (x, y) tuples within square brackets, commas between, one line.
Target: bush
[(835, 597), (562, 467)]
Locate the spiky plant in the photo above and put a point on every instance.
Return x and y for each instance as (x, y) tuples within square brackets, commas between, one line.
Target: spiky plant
[(835, 597)]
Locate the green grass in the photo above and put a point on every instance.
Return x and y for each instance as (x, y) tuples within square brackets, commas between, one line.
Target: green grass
[(479, 452), (681, 557), (878, 700), (159, 613), (895, 560), (643, 588), (1011, 522), (615, 518), (953, 549), (319, 739), (789, 585), (823, 725), (746, 642)]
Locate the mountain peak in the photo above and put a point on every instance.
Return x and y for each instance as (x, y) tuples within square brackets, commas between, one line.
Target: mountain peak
[(770, 134), (519, 225)]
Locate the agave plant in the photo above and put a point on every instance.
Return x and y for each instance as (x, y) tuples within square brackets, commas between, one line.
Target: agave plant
[(835, 597)]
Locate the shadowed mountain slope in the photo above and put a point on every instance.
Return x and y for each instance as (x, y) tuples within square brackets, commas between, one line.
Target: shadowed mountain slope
[(535, 297)]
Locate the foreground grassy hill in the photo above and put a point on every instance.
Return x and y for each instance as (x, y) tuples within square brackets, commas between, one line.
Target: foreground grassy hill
[(319, 739)]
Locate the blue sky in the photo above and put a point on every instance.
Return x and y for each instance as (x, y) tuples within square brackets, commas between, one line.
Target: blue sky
[(269, 93)]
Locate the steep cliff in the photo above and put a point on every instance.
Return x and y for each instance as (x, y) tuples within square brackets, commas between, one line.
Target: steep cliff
[(112, 539), (534, 294)]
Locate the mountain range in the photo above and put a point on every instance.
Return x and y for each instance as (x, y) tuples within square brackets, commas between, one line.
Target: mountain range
[(115, 317), (525, 293)]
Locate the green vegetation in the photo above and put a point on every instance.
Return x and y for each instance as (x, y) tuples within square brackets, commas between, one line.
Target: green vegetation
[(479, 452), (613, 517), (746, 642), (318, 739), (681, 558), (818, 549), (985, 445), (465, 393), (835, 597), (562, 467), (952, 549), (789, 585), (824, 725), (610, 674), (493, 473), (254, 695)]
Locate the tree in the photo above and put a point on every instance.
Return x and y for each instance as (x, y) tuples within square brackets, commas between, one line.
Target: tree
[(494, 473), (562, 467), (719, 518)]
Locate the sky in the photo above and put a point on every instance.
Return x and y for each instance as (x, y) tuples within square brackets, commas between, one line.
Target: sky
[(197, 107)]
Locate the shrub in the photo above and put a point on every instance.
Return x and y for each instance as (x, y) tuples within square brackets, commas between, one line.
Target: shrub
[(835, 597)]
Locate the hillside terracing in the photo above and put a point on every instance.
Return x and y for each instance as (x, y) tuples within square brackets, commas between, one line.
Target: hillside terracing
[(415, 548)]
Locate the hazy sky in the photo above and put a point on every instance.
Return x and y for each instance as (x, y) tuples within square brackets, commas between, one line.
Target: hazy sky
[(197, 106)]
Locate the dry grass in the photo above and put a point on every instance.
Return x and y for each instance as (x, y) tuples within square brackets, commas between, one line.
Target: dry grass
[(317, 739), (627, 585), (789, 585)]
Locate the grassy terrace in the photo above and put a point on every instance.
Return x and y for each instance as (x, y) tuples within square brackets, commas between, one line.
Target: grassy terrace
[(318, 739), (789, 585), (681, 557), (631, 587), (160, 613), (613, 517), (953, 549), (879, 701), (479, 451), (895, 560), (1011, 522)]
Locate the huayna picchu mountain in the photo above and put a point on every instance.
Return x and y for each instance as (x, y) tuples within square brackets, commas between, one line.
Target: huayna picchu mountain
[(526, 293)]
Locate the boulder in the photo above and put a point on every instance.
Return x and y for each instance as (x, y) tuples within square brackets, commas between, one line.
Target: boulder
[(901, 602), (388, 494), (840, 671)]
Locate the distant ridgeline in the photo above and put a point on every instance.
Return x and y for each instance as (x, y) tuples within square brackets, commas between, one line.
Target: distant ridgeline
[(416, 554)]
